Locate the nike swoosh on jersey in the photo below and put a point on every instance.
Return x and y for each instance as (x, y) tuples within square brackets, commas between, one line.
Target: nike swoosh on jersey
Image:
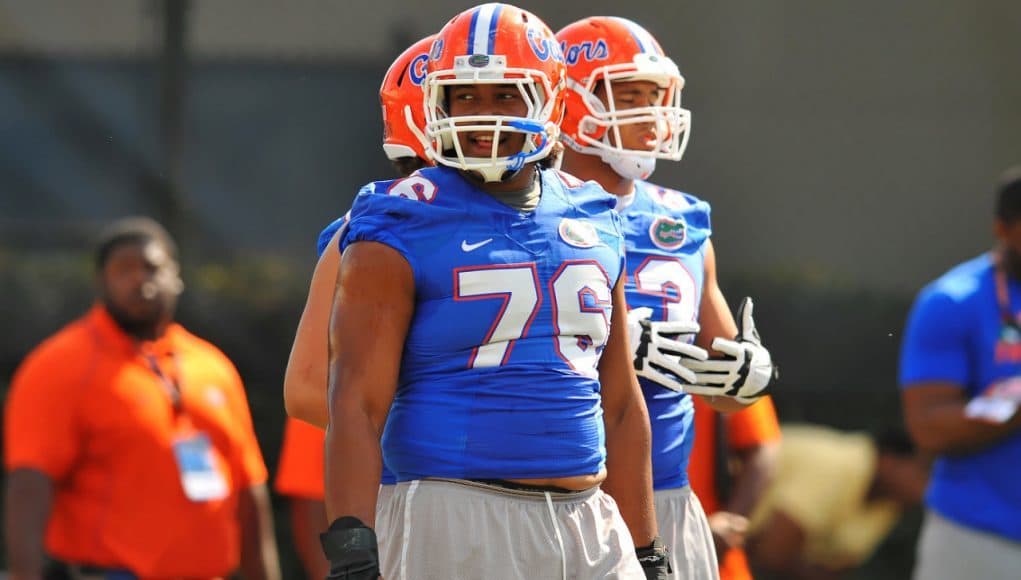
[(466, 247)]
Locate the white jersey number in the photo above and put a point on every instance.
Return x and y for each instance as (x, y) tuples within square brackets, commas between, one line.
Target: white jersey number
[(518, 286), (580, 292), (669, 279), (414, 187), (581, 297)]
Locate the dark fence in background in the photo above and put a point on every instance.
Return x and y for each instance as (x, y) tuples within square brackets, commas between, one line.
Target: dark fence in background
[(274, 151)]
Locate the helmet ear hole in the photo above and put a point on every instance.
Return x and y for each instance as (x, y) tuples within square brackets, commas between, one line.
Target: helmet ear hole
[(595, 103)]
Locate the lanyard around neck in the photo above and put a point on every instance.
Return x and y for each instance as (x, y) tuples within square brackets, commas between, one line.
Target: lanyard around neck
[(170, 383)]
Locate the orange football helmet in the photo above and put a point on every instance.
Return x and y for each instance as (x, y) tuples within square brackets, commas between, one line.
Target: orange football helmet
[(604, 49), (494, 44), (401, 98)]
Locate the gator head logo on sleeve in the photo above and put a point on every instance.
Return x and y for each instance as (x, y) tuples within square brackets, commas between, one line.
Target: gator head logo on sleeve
[(578, 233), (668, 233)]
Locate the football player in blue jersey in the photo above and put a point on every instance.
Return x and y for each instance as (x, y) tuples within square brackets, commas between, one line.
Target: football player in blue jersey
[(471, 343), (400, 95), (960, 379), (623, 113)]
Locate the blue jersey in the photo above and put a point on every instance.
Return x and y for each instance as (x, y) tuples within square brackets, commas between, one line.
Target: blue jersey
[(665, 234), (328, 232), (956, 334), (498, 376)]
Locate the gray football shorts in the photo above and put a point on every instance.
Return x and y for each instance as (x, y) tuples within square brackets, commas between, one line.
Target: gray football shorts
[(443, 529)]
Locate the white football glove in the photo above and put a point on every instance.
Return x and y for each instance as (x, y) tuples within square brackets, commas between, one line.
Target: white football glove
[(658, 347), (744, 373)]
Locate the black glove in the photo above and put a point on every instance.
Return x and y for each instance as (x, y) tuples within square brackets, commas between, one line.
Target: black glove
[(350, 546), (655, 560)]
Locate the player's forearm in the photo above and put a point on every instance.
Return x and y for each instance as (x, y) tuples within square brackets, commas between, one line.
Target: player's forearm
[(628, 436), (305, 379), (259, 558), (26, 510), (303, 401), (629, 470), (354, 463), (942, 427)]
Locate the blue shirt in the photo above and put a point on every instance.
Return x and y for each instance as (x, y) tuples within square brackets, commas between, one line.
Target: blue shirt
[(955, 334), (328, 232), (665, 234), (498, 376)]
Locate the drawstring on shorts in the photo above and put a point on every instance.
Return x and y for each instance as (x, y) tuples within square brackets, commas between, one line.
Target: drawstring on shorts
[(556, 530)]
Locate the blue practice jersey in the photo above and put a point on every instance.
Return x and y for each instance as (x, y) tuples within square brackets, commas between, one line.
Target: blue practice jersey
[(498, 377), (665, 234), (955, 334), (325, 236)]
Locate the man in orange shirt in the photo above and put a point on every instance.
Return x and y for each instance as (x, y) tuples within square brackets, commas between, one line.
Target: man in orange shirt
[(128, 441), (753, 439)]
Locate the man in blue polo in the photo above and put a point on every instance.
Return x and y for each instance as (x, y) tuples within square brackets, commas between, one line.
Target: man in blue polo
[(960, 376)]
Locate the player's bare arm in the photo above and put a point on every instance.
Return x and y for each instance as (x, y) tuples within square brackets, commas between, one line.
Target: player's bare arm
[(305, 379), (372, 310), (628, 437), (934, 414), (717, 322)]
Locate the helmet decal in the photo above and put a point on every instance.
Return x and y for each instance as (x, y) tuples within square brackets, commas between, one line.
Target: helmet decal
[(482, 33), (400, 95), (544, 48), (587, 50), (437, 49), (416, 72)]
